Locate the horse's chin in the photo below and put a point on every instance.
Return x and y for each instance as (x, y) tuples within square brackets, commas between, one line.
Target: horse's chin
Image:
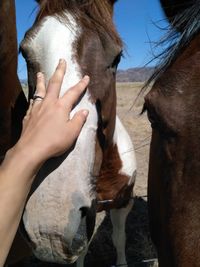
[(70, 260), (48, 254)]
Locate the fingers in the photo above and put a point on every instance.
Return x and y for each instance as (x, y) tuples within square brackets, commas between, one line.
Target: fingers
[(73, 94), (40, 89), (29, 109), (26, 117), (56, 80), (40, 85), (76, 123)]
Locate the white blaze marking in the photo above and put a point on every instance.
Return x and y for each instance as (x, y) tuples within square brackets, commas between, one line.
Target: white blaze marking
[(53, 41), (67, 188)]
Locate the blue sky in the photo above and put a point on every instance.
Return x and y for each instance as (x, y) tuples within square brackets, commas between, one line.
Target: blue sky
[(135, 21)]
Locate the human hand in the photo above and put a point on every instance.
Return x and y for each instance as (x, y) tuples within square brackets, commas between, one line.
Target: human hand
[(47, 129)]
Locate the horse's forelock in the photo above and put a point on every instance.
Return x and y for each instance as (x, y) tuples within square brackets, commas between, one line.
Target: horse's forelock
[(58, 6), (79, 1), (92, 14)]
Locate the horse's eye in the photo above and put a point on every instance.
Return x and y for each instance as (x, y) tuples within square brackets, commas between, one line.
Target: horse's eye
[(116, 61), (160, 125), (151, 116)]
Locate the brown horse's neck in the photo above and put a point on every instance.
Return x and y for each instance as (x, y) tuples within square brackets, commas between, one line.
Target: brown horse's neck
[(8, 54), (10, 88)]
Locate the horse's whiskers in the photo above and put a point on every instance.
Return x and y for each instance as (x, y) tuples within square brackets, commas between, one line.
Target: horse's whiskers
[(142, 146)]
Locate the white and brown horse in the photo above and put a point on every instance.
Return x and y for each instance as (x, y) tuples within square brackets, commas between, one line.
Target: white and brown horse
[(99, 172)]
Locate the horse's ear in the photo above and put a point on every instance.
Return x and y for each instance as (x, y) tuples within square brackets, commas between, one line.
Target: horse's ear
[(174, 8), (112, 2)]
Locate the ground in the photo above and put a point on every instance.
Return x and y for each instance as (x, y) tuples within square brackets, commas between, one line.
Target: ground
[(139, 247)]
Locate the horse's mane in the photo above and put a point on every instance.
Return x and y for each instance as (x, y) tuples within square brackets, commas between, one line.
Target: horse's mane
[(94, 14), (188, 20)]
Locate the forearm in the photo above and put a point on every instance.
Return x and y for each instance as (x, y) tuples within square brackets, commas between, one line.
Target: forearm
[(47, 132), (16, 176)]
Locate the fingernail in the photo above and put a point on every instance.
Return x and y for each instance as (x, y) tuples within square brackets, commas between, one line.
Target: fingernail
[(86, 78), (61, 61), (39, 75), (85, 112)]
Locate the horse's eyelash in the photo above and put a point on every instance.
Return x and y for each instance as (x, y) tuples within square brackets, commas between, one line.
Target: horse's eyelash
[(144, 109)]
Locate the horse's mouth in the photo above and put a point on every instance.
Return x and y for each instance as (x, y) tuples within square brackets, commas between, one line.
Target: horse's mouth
[(58, 253), (50, 255), (55, 249)]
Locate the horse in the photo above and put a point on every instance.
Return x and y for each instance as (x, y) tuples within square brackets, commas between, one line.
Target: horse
[(13, 103), (173, 109), (98, 173)]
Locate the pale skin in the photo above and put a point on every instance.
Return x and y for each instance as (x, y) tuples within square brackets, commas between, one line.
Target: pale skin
[(47, 132)]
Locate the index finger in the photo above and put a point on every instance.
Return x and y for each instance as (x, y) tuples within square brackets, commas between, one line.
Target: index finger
[(55, 82), (73, 94)]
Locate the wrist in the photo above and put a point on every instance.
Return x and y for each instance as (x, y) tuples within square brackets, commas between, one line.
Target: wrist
[(21, 160)]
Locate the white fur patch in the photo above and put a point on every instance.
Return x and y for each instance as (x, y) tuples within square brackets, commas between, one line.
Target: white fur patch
[(53, 41), (52, 214), (126, 150)]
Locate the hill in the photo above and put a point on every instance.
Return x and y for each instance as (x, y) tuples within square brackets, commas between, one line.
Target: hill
[(129, 75), (134, 74)]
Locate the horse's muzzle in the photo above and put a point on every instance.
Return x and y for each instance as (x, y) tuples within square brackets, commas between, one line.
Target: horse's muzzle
[(57, 244)]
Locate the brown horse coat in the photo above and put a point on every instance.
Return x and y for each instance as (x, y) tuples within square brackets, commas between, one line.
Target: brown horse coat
[(173, 107), (13, 103)]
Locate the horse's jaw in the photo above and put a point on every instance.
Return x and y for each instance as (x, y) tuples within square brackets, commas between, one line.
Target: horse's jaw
[(53, 217)]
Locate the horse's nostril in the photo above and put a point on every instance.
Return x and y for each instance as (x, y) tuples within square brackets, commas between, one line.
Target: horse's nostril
[(84, 211)]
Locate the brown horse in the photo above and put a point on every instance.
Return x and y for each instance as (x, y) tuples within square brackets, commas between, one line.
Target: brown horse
[(99, 173), (173, 107), (13, 103)]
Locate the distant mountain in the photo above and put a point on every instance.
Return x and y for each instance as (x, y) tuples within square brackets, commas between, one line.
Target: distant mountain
[(24, 82), (134, 74), (129, 75)]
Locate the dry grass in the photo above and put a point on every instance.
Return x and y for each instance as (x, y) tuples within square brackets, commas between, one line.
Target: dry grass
[(129, 107), (25, 89)]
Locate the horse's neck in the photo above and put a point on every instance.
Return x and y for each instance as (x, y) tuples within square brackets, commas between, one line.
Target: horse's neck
[(9, 84), (8, 35), (118, 171), (12, 101)]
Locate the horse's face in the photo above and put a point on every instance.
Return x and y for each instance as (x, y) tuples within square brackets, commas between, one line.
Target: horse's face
[(60, 214), (173, 106)]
